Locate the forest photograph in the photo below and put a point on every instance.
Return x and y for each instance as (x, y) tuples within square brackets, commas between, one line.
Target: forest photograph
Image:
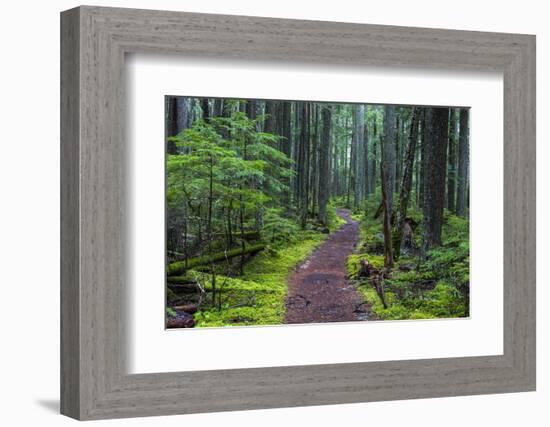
[(294, 212)]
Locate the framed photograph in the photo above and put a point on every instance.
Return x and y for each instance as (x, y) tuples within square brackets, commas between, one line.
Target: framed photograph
[(278, 213), (259, 188)]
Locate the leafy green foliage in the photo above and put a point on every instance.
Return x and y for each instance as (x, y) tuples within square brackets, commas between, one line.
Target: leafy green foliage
[(278, 229)]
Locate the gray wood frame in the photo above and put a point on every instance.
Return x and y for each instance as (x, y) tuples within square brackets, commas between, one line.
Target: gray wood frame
[(94, 41)]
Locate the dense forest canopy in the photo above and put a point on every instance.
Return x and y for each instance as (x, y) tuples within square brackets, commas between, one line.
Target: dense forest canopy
[(250, 181)]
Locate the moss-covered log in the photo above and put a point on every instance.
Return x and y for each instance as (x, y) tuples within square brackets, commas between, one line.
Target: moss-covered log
[(178, 289), (177, 268), (186, 288), (187, 278)]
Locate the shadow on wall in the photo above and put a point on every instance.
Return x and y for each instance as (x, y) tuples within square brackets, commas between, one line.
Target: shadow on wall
[(51, 405)]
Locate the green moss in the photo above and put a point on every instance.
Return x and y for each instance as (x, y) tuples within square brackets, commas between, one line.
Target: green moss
[(442, 302), (257, 297), (336, 223), (435, 287), (180, 267)]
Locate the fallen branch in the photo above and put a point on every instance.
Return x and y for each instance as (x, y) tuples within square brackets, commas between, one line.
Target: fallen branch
[(379, 286)]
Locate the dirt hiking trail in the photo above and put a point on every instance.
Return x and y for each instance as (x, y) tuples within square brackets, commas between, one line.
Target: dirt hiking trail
[(318, 291)]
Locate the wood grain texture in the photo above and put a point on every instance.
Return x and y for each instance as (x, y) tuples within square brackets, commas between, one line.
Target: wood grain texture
[(70, 297), (94, 232)]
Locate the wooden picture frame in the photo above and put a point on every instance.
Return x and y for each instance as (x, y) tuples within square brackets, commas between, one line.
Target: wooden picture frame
[(94, 382)]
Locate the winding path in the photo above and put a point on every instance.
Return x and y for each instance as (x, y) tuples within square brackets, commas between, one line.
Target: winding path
[(318, 291)]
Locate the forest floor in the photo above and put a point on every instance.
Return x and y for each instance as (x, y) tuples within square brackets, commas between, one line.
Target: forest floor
[(319, 290)]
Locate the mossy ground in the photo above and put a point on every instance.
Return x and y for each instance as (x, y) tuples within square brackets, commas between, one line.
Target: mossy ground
[(435, 287), (258, 296)]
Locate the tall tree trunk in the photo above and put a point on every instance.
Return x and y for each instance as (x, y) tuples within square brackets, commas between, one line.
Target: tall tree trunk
[(218, 107), (406, 184), (423, 145), (296, 154), (183, 113), (388, 251), (303, 167), (251, 107), (271, 110), (351, 168), (359, 133), (251, 113), (418, 158), (451, 168), (463, 163), (286, 145), (398, 150), (314, 167), (388, 154), (171, 123), (375, 141), (366, 157), (324, 164), (286, 142), (437, 132), (335, 158), (205, 106)]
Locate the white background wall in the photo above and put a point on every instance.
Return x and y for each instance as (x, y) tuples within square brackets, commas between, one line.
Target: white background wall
[(29, 224)]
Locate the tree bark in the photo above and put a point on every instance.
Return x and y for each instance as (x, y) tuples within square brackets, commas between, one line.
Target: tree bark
[(324, 164), (218, 107), (463, 163), (271, 111), (251, 108), (182, 114), (406, 184), (286, 143), (303, 167), (366, 157), (205, 106), (388, 154), (388, 251), (351, 167), (399, 122), (423, 137), (437, 135), (359, 133), (375, 141), (451, 168), (314, 159), (171, 123)]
